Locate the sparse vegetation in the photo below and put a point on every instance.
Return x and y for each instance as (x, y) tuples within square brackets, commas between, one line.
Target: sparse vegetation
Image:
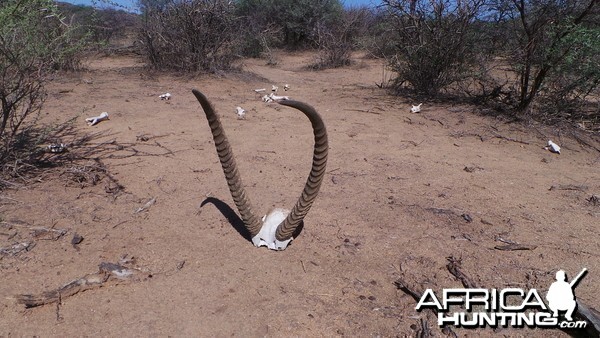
[(545, 51), (550, 48), (99, 26), (286, 23), (553, 49), (436, 45), (34, 41), (195, 35), (336, 41)]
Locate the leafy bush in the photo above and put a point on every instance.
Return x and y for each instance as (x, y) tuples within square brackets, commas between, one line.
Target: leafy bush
[(285, 23), (554, 51), (380, 38), (98, 25), (193, 35), (435, 42), (34, 40), (336, 40)]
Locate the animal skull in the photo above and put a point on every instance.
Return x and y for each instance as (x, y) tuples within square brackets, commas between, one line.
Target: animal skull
[(278, 227)]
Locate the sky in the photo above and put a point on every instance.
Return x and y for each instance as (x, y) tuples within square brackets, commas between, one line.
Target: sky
[(132, 3)]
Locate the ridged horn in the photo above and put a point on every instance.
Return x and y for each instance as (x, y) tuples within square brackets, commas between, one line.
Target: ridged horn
[(232, 175), (286, 229)]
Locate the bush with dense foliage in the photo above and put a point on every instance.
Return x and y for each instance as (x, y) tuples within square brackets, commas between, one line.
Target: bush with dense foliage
[(192, 35)]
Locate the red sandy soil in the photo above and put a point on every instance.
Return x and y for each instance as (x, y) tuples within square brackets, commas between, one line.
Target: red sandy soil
[(391, 206)]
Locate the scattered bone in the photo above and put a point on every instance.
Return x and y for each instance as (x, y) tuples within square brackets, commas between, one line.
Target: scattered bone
[(241, 113), (17, 248), (267, 99), (278, 98), (416, 109), (553, 147), (274, 88), (107, 272), (146, 206), (286, 87), (57, 148), (94, 120), (37, 232), (165, 96), (47, 233), (260, 90)]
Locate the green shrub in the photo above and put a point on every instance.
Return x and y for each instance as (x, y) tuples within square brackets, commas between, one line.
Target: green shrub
[(34, 41)]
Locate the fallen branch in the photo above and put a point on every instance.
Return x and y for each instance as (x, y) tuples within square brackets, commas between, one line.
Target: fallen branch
[(515, 247), (569, 187), (591, 315), (17, 248), (496, 135), (365, 111), (107, 272), (411, 291), (416, 294), (455, 269)]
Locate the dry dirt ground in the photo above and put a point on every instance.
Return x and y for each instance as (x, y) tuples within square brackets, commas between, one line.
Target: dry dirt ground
[(395, 204)]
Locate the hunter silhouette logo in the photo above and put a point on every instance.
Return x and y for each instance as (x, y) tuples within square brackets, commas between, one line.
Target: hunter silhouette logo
[(560, 296)]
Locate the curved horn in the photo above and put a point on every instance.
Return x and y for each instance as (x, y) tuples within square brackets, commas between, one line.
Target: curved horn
[(234, 181), (286, 229)]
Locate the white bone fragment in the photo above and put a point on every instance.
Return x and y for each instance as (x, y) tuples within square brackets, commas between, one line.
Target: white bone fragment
[(553, 147), (93, 120), (416, 109), (286, 87), (241, 113), (278, 98), (57, 148), (165, 96)]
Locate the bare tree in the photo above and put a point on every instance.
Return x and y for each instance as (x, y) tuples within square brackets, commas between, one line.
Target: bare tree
[(336, 40)]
